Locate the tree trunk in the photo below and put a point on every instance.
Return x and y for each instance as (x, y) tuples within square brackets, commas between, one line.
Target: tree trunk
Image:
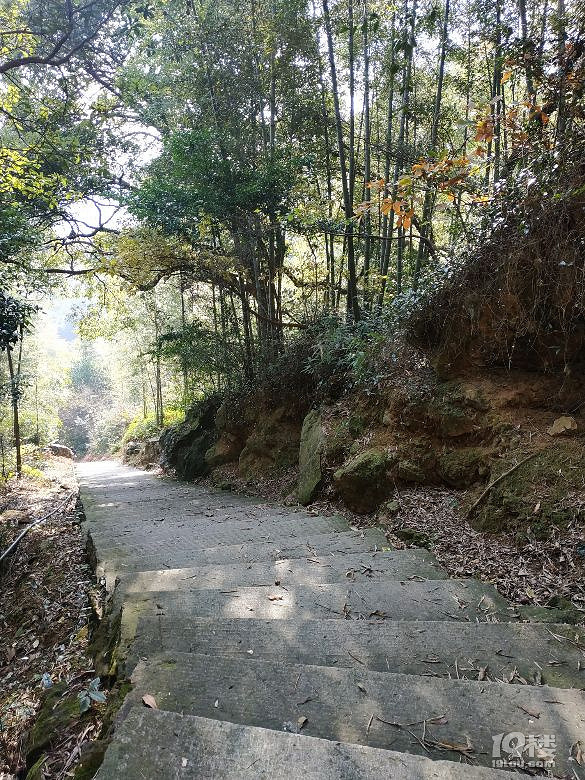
[(427, 215), (367, 157), (14, 381), (352, 299), (406, 78)]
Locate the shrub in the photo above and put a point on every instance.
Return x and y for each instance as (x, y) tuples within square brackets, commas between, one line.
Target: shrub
[(142, 428)]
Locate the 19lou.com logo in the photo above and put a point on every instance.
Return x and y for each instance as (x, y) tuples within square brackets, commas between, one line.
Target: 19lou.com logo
[(524, 751)]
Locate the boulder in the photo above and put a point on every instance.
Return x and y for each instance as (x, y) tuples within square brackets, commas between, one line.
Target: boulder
[(132, 448), (185, 445), (273, 443), (462, 468), (225, 450), (310, 450), (61, 450), (363, 482), (151, 450), (16, 516), (409, 471)]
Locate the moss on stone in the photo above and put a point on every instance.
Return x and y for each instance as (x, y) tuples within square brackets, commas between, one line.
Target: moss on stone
[(564, 613), (310, 457), (462, 467), (541, 494), (36, 770), (416, 538), (92, 755), (446, 410), (363, 481), (341, 438), (58, 711), (409, 471)]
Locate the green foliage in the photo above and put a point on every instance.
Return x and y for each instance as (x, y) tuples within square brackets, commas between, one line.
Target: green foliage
[(91, 695), (142, 428)]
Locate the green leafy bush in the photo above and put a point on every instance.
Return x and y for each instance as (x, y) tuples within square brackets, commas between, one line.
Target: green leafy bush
[(142, 428)]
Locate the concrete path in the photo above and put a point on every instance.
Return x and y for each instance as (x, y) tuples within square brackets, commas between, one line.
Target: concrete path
[(280, 644)]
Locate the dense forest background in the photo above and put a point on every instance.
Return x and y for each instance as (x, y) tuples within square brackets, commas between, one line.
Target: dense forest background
[(226, 196)]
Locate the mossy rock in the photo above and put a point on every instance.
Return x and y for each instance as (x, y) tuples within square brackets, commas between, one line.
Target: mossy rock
[(410, 536), (363, 482), (408, 471), (310, 450), (226, 449), (92, 755), (36, 770), (446, 411), (567, 613), (272, 444), (58, 711), (417, 461), (341, 439), (463, 467), (184, 445), (541, 494), (105, 644)]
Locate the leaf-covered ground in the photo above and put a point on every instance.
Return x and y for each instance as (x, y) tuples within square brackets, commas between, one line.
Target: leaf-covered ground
[(525, 569), (44, 613)]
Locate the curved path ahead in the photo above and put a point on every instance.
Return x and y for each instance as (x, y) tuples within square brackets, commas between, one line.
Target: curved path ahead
[(280, 644)]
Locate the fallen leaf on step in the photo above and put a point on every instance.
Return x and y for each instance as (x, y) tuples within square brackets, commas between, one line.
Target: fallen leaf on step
[(361, 687), (439, 720), (378, 613), (301, 722), (577, 748), (184, 762), (482, 673), (533, 713), (275, 598), (216, 703), (149, 701)]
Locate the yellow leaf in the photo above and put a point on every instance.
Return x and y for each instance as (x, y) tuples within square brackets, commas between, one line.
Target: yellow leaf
[(505, 76)]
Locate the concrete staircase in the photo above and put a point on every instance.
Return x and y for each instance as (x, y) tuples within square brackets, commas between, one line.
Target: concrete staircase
[(278, 644)]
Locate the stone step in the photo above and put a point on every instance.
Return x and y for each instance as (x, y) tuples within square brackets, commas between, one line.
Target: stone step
[(164, 491), (111, 559), (146, 535), (460, 600), (346, 567), (427, 716), (511, 652), (169, 746), (176, 512)]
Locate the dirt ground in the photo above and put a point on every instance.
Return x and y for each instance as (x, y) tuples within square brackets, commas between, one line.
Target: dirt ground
[(45, 589)]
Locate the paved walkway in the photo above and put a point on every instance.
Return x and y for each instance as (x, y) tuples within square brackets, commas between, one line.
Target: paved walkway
[(279, 644)]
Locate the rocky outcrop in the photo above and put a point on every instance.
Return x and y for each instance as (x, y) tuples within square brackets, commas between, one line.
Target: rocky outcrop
[(61, 450), (142, 453), (462, 468), (310, 451), (363, 482), (272, 443), (184, 446)]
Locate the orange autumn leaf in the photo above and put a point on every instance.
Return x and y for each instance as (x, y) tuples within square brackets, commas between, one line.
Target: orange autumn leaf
[(407, 219), (484, 131)]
